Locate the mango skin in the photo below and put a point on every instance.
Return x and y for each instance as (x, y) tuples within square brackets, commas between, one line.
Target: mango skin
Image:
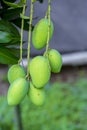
[(17, 91), (55, 60), (40, 33), (37, 96), (14, 72), (39, 71)]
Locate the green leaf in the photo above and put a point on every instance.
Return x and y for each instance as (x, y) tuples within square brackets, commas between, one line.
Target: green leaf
[(7, 57), (17, 22), (10, 0), (4, 5), (4, 37), (16, 51), (33, 0), (22, 2), (23, 16), (13, 4), (6, 26), (11, 14)]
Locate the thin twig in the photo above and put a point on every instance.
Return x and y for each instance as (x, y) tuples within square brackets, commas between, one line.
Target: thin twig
[(29, 36), (22, 27), (48, 13)]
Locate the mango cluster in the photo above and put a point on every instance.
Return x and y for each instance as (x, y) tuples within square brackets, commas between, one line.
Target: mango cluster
[(40, 68), (18, 84)]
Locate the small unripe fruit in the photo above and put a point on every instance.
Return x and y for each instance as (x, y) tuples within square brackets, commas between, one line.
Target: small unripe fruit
[(39, 71), (14, 72), (17, 91), (40, 33), (55, 60), (37, 96)]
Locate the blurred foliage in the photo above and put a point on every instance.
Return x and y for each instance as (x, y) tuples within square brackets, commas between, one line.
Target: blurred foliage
[(65, 109), (9, 34), (10, 21), (7, 116)]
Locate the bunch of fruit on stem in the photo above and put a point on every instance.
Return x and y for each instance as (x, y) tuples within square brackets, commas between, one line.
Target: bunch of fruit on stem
[(40, 68)]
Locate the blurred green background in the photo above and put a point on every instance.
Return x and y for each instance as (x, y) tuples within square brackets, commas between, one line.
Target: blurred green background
[(65, 108)]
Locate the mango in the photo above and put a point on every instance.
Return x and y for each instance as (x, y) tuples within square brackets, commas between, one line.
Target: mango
[(39, 71), (55, 60), (37, 96), (17, 91), (15, 71), (40, 33)]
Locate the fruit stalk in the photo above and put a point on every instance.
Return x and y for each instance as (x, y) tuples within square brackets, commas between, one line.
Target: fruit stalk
[(29, 36), (48, 13), (22, 27)]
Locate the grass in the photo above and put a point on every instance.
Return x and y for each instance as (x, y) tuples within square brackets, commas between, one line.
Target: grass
[(65, 108), (7, 116)]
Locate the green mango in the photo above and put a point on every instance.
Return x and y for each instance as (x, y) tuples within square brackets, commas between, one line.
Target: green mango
[(37, 96), (40, 33), (55, 60), (39, 71), (17, 91), (15, 71)]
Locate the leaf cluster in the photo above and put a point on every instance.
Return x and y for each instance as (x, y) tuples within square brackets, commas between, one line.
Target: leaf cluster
[(10, 21)]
